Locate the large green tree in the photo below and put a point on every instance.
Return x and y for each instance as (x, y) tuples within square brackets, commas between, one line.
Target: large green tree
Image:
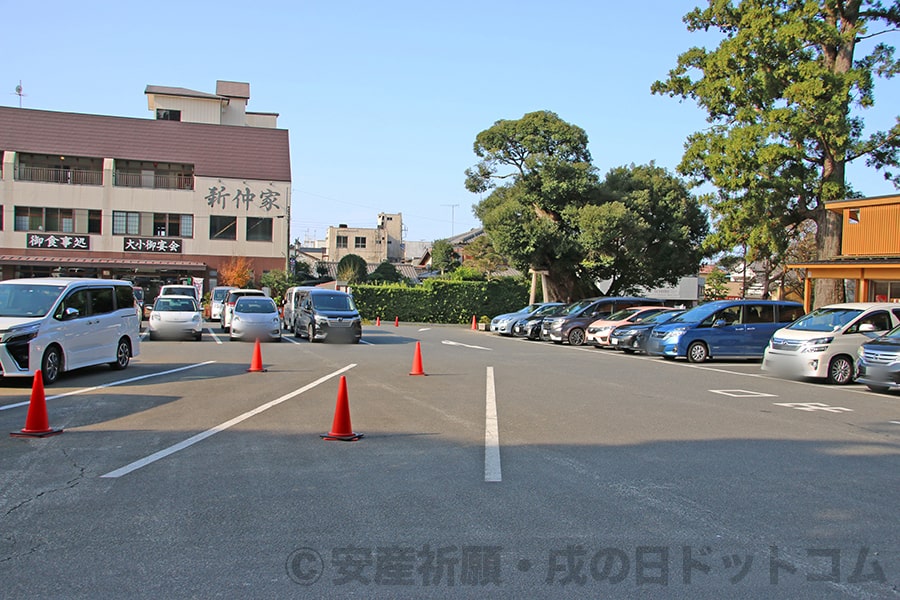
[(783, 91), (644, 229), (443, 257), (548, 211)]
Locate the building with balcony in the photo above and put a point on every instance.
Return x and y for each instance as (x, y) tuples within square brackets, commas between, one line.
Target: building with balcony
[(150, 200), (375, 245), (870, 251)]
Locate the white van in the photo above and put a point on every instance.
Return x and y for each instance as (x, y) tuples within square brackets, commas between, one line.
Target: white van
[(58, 324), (824, 342), (293, 296)]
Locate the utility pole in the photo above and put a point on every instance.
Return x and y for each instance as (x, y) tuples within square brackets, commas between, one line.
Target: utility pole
[(452, 208)]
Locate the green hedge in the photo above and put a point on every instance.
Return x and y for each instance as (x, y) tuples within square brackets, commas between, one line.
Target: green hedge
[(441, 300)]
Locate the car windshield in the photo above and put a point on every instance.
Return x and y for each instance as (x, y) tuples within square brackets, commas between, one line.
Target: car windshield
[(576, 307), (179, 291), (622, 314), (547, 309), (184, 304), (250, 304), (661, 317), (333, 302), (219, 295), (893, 334), (825, 319), (28, 300), (696, 314)]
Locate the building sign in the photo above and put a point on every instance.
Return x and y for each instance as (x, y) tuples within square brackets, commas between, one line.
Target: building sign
[(62, 241), (159, 245), (222, 197)]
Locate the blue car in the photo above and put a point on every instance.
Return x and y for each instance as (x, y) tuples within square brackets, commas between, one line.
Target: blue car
[(722, 329)]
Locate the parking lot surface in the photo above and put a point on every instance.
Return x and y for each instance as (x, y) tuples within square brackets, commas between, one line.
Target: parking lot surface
[(511, 469)]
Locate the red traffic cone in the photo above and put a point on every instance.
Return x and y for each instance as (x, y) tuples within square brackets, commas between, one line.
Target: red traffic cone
[(377, 321), (396, 321), (341, 430), (36, 422), (474, 324), (256, 363), (417, 361)]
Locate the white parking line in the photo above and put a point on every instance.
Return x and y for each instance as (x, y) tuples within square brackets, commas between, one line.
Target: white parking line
[(218, 428), (112, 384), (491, 432)]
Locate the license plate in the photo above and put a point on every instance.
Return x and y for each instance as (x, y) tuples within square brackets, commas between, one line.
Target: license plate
[(614, 342)]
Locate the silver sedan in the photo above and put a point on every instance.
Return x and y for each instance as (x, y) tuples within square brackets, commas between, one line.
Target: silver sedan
[(255, 317)]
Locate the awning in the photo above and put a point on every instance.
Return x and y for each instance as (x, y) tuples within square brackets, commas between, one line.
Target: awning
[(119, 263)]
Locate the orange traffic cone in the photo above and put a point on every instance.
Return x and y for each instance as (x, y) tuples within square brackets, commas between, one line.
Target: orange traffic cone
[(474, 324), (256, 363), (377, 321), (417, 361), (341, 430), (36, 422), (396, 321)]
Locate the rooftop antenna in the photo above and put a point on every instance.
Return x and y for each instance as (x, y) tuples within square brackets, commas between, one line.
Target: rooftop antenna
[(20, 93)]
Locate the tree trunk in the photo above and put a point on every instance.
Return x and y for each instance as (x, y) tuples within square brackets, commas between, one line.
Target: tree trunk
[(828, 246)]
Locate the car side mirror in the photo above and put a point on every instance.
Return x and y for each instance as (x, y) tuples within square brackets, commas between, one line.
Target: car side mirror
[(71, 313), (720, 323), (867, 327)]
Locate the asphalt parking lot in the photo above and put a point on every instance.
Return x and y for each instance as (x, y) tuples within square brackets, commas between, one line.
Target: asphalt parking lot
[(510, 469)]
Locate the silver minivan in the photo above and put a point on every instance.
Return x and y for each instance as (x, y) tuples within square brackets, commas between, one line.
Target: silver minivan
[(54, 325)]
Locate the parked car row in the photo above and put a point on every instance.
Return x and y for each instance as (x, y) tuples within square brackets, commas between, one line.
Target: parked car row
[(838, 343)]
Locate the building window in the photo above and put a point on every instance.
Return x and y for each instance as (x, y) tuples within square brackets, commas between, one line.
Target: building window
[(165, 114), (341, 241), (59, 220), (173, 225), (259, 229), (359, 242), (853, 216), (222, 228), (126, 223)]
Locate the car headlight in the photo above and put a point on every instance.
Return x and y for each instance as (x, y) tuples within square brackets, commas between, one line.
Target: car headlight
[(674, 334), (22, 332), (817, 345), (625, 332), (860, 351), (195, 318), (321, 320)]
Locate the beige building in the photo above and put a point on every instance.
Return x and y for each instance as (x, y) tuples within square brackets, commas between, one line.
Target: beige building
[(384, 242), (151, 200)]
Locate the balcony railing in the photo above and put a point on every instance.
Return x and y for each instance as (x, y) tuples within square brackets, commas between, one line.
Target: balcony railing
[(154, 181), (55, 175)]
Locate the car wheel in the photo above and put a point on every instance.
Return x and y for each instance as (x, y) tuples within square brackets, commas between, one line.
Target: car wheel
[(123, 355), (297, 333), (697, 352), (628, 350), (840, 370), (198, 336), (151, 335), (576, 337), (881, 389), (51, 365), (311, 333)]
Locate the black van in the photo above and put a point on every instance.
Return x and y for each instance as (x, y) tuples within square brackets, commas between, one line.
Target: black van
[(328, 314)]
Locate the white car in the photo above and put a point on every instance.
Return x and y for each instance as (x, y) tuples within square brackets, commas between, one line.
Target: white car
[(255, 317), (175, 316), (53, 325), (824, 343), (228, 304)]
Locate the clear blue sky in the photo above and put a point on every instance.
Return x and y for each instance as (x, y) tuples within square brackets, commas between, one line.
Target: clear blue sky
[(383, 100)]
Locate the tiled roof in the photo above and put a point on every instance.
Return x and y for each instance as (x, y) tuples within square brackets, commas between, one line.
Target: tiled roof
[(214, 150)]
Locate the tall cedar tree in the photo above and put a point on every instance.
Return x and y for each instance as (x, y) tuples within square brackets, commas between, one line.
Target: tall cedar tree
[(780, 91)]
